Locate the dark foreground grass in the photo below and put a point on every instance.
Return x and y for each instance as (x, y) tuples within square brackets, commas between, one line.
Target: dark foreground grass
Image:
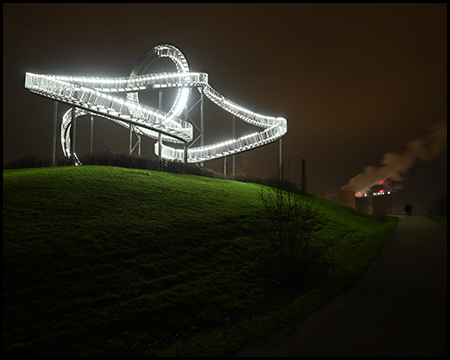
[(107, 261), (442, 222)]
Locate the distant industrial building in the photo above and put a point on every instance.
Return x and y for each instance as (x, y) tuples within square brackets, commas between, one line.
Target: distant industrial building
[(364, 202), (382, 200), (376, 201)]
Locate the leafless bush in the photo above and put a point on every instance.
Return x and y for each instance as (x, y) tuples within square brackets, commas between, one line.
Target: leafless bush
[(293, 216)]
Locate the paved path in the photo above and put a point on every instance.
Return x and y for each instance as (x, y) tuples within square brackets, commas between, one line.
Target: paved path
[(397, 308)]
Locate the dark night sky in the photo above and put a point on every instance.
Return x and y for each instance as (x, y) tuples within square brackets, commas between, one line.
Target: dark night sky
[(363, 86)]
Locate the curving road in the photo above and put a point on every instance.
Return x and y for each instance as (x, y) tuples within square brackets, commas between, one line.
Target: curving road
[(397, 308)]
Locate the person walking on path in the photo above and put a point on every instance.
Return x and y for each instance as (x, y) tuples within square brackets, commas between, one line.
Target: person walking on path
[(410, 209)]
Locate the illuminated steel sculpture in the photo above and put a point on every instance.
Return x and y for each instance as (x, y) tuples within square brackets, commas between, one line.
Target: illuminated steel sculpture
[(93, 95)]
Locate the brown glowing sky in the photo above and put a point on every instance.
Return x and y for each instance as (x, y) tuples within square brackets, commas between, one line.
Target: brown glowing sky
[(357, 83)]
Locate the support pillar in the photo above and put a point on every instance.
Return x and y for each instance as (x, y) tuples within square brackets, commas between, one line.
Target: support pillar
[(234, 156), (130, 149), (185, 156), (281, 157), (139, 146), (55, 123), (202, 125), (138, 141), (225, 167), (92, 135), (73, 134), (161, 168)]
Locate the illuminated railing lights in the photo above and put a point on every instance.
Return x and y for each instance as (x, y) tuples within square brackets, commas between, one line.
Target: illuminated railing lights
[(90, 95)]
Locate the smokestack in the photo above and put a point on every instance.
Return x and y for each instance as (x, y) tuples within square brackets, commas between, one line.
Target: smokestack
[(303, 175), (346, 198)]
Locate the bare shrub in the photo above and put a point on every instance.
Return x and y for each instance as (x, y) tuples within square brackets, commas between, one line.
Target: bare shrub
[(293, 216)]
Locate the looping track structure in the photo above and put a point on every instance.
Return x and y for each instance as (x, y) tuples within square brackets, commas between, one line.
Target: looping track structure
[(93, 95)]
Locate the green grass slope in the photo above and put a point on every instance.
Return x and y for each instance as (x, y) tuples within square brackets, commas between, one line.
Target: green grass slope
[(108, 261)]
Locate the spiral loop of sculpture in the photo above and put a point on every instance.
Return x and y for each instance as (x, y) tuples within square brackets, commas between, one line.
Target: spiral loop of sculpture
[(94, 95)]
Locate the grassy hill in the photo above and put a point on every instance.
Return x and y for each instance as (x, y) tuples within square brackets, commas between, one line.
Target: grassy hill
[(108, 261)]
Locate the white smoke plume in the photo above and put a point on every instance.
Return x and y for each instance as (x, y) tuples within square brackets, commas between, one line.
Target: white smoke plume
[(394, 165)]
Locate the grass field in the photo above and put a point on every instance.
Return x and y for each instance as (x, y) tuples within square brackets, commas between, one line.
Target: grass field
[(108, 261)]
